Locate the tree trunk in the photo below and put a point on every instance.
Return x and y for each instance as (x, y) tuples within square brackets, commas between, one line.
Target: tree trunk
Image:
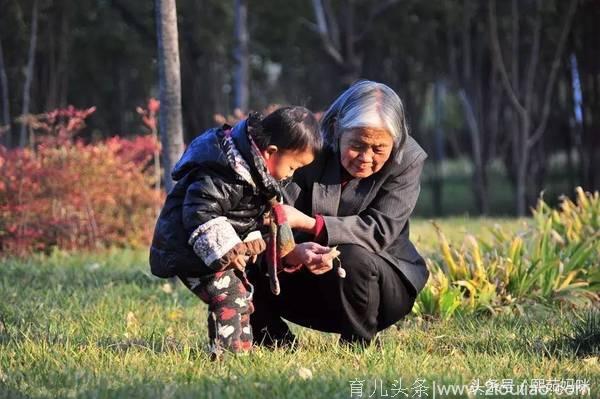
[(474, 87), (520, 191), (523, 166), (170, 126), (122, 97), (29, 73), (438, 153), (63, 61), (479, 165), (527, 133), (241, 92), (5, 131), (344, 49), (576, 128), (57, 62)]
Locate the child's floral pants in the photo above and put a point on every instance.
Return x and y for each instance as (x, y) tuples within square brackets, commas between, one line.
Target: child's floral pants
[(229, 298)]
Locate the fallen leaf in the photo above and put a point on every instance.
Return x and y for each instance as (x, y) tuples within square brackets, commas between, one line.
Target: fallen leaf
[(175, 314), (592, 361), (93, 267), (167, 288), (305, 373), (132, 321)]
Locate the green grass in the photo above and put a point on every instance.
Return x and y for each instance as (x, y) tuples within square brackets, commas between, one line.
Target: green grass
[(99, 326), (424, 237)]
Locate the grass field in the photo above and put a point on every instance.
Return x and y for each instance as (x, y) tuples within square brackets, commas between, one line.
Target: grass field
[(99, 326)]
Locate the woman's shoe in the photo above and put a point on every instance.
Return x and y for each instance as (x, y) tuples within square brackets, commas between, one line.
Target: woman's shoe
[(275, 338)]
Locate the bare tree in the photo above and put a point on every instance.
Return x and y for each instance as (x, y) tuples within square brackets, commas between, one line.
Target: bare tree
[(587, 52), (241, 93), (531, 120), (439, 153), (57, 59), (478, 91), (29, 72), (343, 45), (5, 131), (170, 126)]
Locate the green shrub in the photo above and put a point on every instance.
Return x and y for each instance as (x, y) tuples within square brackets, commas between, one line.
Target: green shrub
[(555, 261)]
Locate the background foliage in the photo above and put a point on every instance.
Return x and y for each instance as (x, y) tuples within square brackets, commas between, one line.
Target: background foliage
[(553, 262), (103, 54), (67, 194)]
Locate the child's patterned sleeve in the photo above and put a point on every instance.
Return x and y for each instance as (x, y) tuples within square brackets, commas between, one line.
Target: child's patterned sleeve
[(213, 240), (211, 235)]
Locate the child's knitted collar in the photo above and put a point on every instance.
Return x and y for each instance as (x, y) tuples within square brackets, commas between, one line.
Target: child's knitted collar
[(244, 157)]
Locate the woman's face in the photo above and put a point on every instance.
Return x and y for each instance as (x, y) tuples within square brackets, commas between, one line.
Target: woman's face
[(364, 151)]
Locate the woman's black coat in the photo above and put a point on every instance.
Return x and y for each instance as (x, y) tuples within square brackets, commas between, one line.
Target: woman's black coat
[(372, 212)]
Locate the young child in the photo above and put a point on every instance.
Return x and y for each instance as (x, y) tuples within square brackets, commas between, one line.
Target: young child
[(207, 231)]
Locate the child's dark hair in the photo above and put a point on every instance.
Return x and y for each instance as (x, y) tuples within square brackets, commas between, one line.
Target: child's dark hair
[(289, 128)]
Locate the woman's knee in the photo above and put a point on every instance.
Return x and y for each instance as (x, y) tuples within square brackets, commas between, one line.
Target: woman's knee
[(397, 298), (374, 288), (361, 284), (359, 262), (360, 290)]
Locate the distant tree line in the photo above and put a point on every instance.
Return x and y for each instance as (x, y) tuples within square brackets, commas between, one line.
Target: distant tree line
[(515, 81)]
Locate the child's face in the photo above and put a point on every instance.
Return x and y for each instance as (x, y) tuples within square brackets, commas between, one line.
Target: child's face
[(282, 164)]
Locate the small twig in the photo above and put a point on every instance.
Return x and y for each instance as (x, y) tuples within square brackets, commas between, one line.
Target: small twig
[(338, 268)]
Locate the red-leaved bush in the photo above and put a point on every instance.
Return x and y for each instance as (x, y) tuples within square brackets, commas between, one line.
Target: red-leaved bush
[(65, 193)]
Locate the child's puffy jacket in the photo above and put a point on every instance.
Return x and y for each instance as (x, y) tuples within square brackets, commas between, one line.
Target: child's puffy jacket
[(221, 194)]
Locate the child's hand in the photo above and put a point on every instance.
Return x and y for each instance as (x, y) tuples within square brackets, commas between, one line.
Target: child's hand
[(238, 256), (239, 263), (266, 219), (235, 258), (255, 248)]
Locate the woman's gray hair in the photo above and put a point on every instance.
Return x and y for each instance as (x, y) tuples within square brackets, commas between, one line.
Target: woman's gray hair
[(365, 104)]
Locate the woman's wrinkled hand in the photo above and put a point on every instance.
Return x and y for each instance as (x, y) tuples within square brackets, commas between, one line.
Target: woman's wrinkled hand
[(316, 258)]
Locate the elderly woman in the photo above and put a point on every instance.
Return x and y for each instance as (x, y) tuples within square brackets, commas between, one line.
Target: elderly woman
[(357, 195)]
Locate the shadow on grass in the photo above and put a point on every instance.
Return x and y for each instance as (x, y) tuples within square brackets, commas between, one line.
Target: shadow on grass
[(582, 338), (206, 388), (74, 278), (156, 344)]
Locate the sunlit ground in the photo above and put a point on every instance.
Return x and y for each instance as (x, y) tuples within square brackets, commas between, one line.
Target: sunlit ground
[(100, 326)]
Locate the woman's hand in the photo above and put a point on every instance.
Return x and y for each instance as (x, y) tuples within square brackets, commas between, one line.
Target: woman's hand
[(298, 220), (316, 258)]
